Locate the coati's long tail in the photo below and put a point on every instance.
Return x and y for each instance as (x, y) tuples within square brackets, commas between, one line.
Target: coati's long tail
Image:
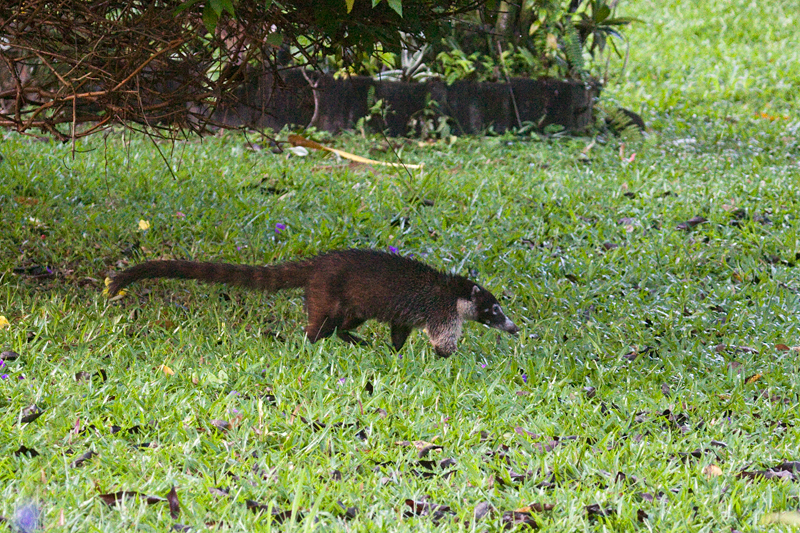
[(266, 278)]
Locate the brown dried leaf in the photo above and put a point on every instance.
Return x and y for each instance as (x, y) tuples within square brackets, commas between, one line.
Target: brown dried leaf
[(221, 425), (514, 519), (788, 466), (766, 474), (752, 379), (30, 413), (219, 492), (482, 509), (82, 459), (596, 510), (522, 431), (692, 222), (24, 450), (536, 508), (349, 512), (712, 471), (278, 516), (425, 508), (9, 355), (174, 503), (112, 498)]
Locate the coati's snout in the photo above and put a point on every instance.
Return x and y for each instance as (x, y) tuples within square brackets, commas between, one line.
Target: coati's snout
[(489, 312)]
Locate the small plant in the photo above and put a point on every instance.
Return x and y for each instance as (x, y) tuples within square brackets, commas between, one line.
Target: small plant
[(430, 122), (379, 109), (539, 38)]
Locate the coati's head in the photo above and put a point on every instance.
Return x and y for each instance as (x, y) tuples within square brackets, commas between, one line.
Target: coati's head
[(484, 308)]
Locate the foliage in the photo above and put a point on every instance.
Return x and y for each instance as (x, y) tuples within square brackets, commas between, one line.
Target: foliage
[(543, 38), (73, 68)]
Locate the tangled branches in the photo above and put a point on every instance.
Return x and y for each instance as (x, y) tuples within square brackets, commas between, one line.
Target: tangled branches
[(73, 67)]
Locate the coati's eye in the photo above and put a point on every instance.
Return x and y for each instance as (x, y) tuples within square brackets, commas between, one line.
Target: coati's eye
[(495, 309)]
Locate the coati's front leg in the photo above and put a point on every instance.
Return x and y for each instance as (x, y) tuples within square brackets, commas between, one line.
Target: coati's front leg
[(444, 337), (400, 333)]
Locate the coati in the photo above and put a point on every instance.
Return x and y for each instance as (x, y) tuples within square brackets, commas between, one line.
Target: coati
[(345, 288)]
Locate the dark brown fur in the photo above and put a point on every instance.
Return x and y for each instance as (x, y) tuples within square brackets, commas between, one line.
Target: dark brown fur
[(343, 289)]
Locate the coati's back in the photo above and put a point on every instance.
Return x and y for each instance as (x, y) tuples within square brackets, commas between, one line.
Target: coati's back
[(387, 287)]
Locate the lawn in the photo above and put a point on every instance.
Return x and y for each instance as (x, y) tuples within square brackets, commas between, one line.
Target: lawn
[(653, 385)]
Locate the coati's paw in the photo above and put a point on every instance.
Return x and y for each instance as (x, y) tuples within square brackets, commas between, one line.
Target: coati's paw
[(113, 291)]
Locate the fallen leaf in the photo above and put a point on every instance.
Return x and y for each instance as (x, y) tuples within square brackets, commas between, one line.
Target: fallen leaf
[(349, 512), (112, 498), (787, 518), (82, 459), (174, 503), (522, 431), (426, 508), (144, 225), (423, 447), (766, 474), (8, 355), (299, 141), (278, 516), (514, 519), (788, 466), (24, 450), (753, 378), (481, 510), (712, 470), (219, 492), (221, 425), (596, 510), (166, 370), (4, 323), (692, 222), (536, 508), (31, 413)]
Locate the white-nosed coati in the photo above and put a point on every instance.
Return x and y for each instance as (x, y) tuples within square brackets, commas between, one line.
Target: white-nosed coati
[(343, 289)]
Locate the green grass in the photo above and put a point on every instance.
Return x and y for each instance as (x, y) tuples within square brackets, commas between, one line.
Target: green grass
[(529, 217)]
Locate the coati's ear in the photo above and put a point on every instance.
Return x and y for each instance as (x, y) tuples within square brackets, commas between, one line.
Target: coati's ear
[(475, 291)]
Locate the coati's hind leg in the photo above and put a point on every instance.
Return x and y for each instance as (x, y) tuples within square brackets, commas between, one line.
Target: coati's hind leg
[(319, 329), (346, 336), (323, 315), (322, 326), (399, 335)]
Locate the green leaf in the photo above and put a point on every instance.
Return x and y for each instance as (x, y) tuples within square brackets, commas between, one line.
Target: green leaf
[(184, 6), (350, 5), (210, 18), (602, 13), (274, 39), (227, 5), (397, 6), (267, 4)]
